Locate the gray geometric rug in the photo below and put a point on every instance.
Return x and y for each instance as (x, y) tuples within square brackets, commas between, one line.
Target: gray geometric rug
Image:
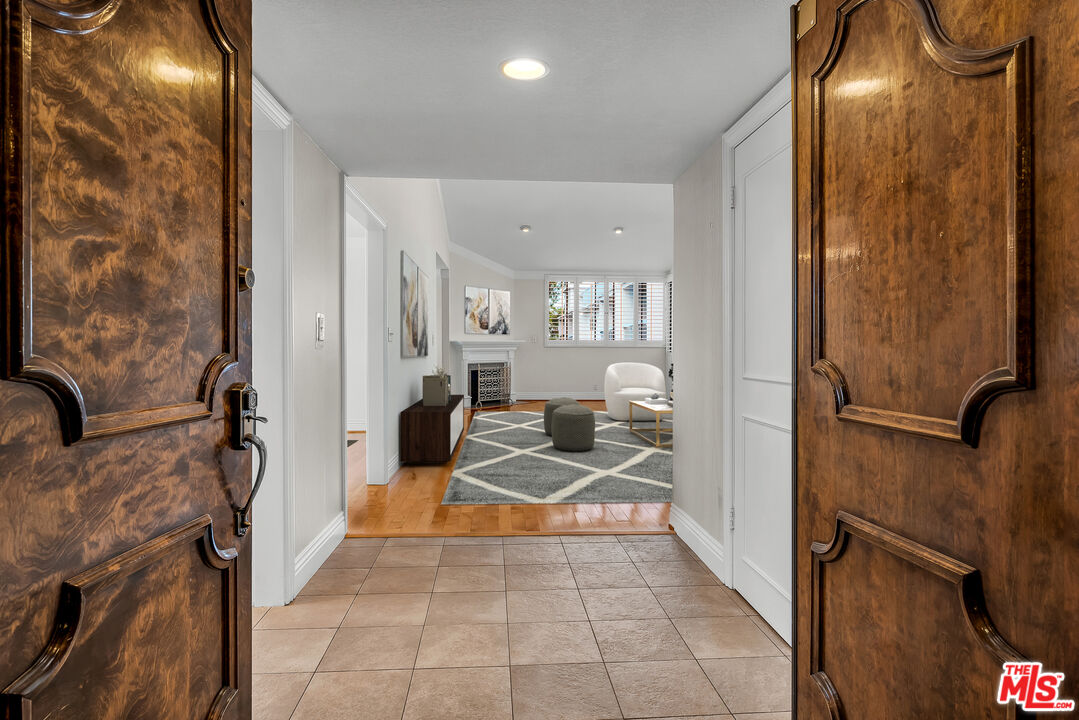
[(507, 458)]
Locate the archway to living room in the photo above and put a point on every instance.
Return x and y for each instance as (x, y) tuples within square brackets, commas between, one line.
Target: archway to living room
[(512, 331)]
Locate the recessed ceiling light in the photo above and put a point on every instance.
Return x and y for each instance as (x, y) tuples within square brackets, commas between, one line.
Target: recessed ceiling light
[(524, 69), (526, 228), (618, 231)]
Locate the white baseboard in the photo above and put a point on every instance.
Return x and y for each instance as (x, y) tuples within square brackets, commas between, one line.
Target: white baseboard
[(708, 549), (311, 557), (393, 466), (592, 395), (356, 425)]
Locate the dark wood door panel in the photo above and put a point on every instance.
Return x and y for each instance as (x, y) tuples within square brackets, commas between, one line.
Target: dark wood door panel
[(125, 266), (913, 619), (911, 320), (160, 615), (906, 282), (126, 150)]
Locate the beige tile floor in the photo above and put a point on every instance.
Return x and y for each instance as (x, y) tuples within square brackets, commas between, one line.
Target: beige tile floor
[(522, 628)]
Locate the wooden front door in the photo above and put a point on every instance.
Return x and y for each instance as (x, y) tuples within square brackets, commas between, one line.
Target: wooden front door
[(937, 362), (124, 588)]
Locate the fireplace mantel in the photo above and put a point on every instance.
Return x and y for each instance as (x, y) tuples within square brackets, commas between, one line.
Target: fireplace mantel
[(479, 351)]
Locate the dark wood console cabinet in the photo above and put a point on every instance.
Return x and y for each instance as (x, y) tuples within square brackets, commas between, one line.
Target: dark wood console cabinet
[(429, 435)]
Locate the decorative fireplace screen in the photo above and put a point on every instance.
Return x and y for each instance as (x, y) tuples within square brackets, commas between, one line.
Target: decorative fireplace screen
[(489, 383)]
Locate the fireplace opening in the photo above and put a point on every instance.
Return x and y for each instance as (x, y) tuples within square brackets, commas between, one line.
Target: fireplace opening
[(489, 384)]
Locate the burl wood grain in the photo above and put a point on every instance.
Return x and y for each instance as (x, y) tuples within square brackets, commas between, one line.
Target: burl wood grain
[(135, 599), (120, 189), (915, 277), (971, 258)]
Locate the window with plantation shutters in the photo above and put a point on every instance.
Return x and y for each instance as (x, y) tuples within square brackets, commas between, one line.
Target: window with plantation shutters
[(623, 311), (561, 300), (650, 318), (602, 310), (670, 320), (591, 311)]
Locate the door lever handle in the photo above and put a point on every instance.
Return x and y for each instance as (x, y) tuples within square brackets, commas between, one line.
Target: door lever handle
[(242, 420), (243, 515)]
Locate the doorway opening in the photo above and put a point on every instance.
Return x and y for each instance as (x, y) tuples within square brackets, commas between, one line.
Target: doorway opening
[(366, 430), (356, 342)]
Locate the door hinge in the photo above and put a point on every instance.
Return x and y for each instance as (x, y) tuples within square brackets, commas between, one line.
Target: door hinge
[(807, 17), (732, 519), (734, 191)]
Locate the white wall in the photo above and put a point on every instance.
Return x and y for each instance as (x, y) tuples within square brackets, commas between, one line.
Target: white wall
[(544, 372), (356, 324), (698, 198), (269, 306), (468, 271), (541, 372), (416, 223), (319, 407)]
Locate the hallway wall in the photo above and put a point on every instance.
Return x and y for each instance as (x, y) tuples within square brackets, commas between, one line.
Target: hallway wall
[(698, 198), (269, 353), (319, 500), (416, 224)]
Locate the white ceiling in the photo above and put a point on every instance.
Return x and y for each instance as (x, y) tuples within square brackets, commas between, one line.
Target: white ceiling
[(411, 88), (572, 224)]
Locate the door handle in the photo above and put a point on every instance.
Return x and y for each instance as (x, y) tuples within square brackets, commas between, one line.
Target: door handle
[(242, 404)]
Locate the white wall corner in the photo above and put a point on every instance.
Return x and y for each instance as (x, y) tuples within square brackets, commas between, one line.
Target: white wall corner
[(708, 548), (311, 558)]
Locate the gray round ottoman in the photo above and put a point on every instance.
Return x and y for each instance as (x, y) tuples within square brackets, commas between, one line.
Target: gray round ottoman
[(549, 409), (573, 428)]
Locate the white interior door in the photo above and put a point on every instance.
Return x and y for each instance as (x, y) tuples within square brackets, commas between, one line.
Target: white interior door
[(762, 345)]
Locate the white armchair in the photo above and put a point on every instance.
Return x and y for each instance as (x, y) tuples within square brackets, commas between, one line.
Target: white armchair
[(627, 381)]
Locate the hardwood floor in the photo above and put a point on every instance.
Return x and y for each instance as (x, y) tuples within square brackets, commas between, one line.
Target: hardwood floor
[(410, 505), (357, 461)]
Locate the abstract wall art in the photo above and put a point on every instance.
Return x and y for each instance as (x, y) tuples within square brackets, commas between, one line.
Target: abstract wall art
[(414, 304), (499, 323), (487, 312), (476, 310)]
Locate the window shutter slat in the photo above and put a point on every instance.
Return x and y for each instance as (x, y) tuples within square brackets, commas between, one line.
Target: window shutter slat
[(560, 299)]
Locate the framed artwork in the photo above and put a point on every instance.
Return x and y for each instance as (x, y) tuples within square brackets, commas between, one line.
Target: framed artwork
[(487, 312), (477, 311), (499, 323), (414, 296)]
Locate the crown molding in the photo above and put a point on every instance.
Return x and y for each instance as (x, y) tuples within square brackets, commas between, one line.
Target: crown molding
[(268, 104)]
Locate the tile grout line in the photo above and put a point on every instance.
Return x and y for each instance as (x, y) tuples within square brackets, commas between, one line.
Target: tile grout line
[(416, 658), (603, 661), (595, 639), (506, 596)]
